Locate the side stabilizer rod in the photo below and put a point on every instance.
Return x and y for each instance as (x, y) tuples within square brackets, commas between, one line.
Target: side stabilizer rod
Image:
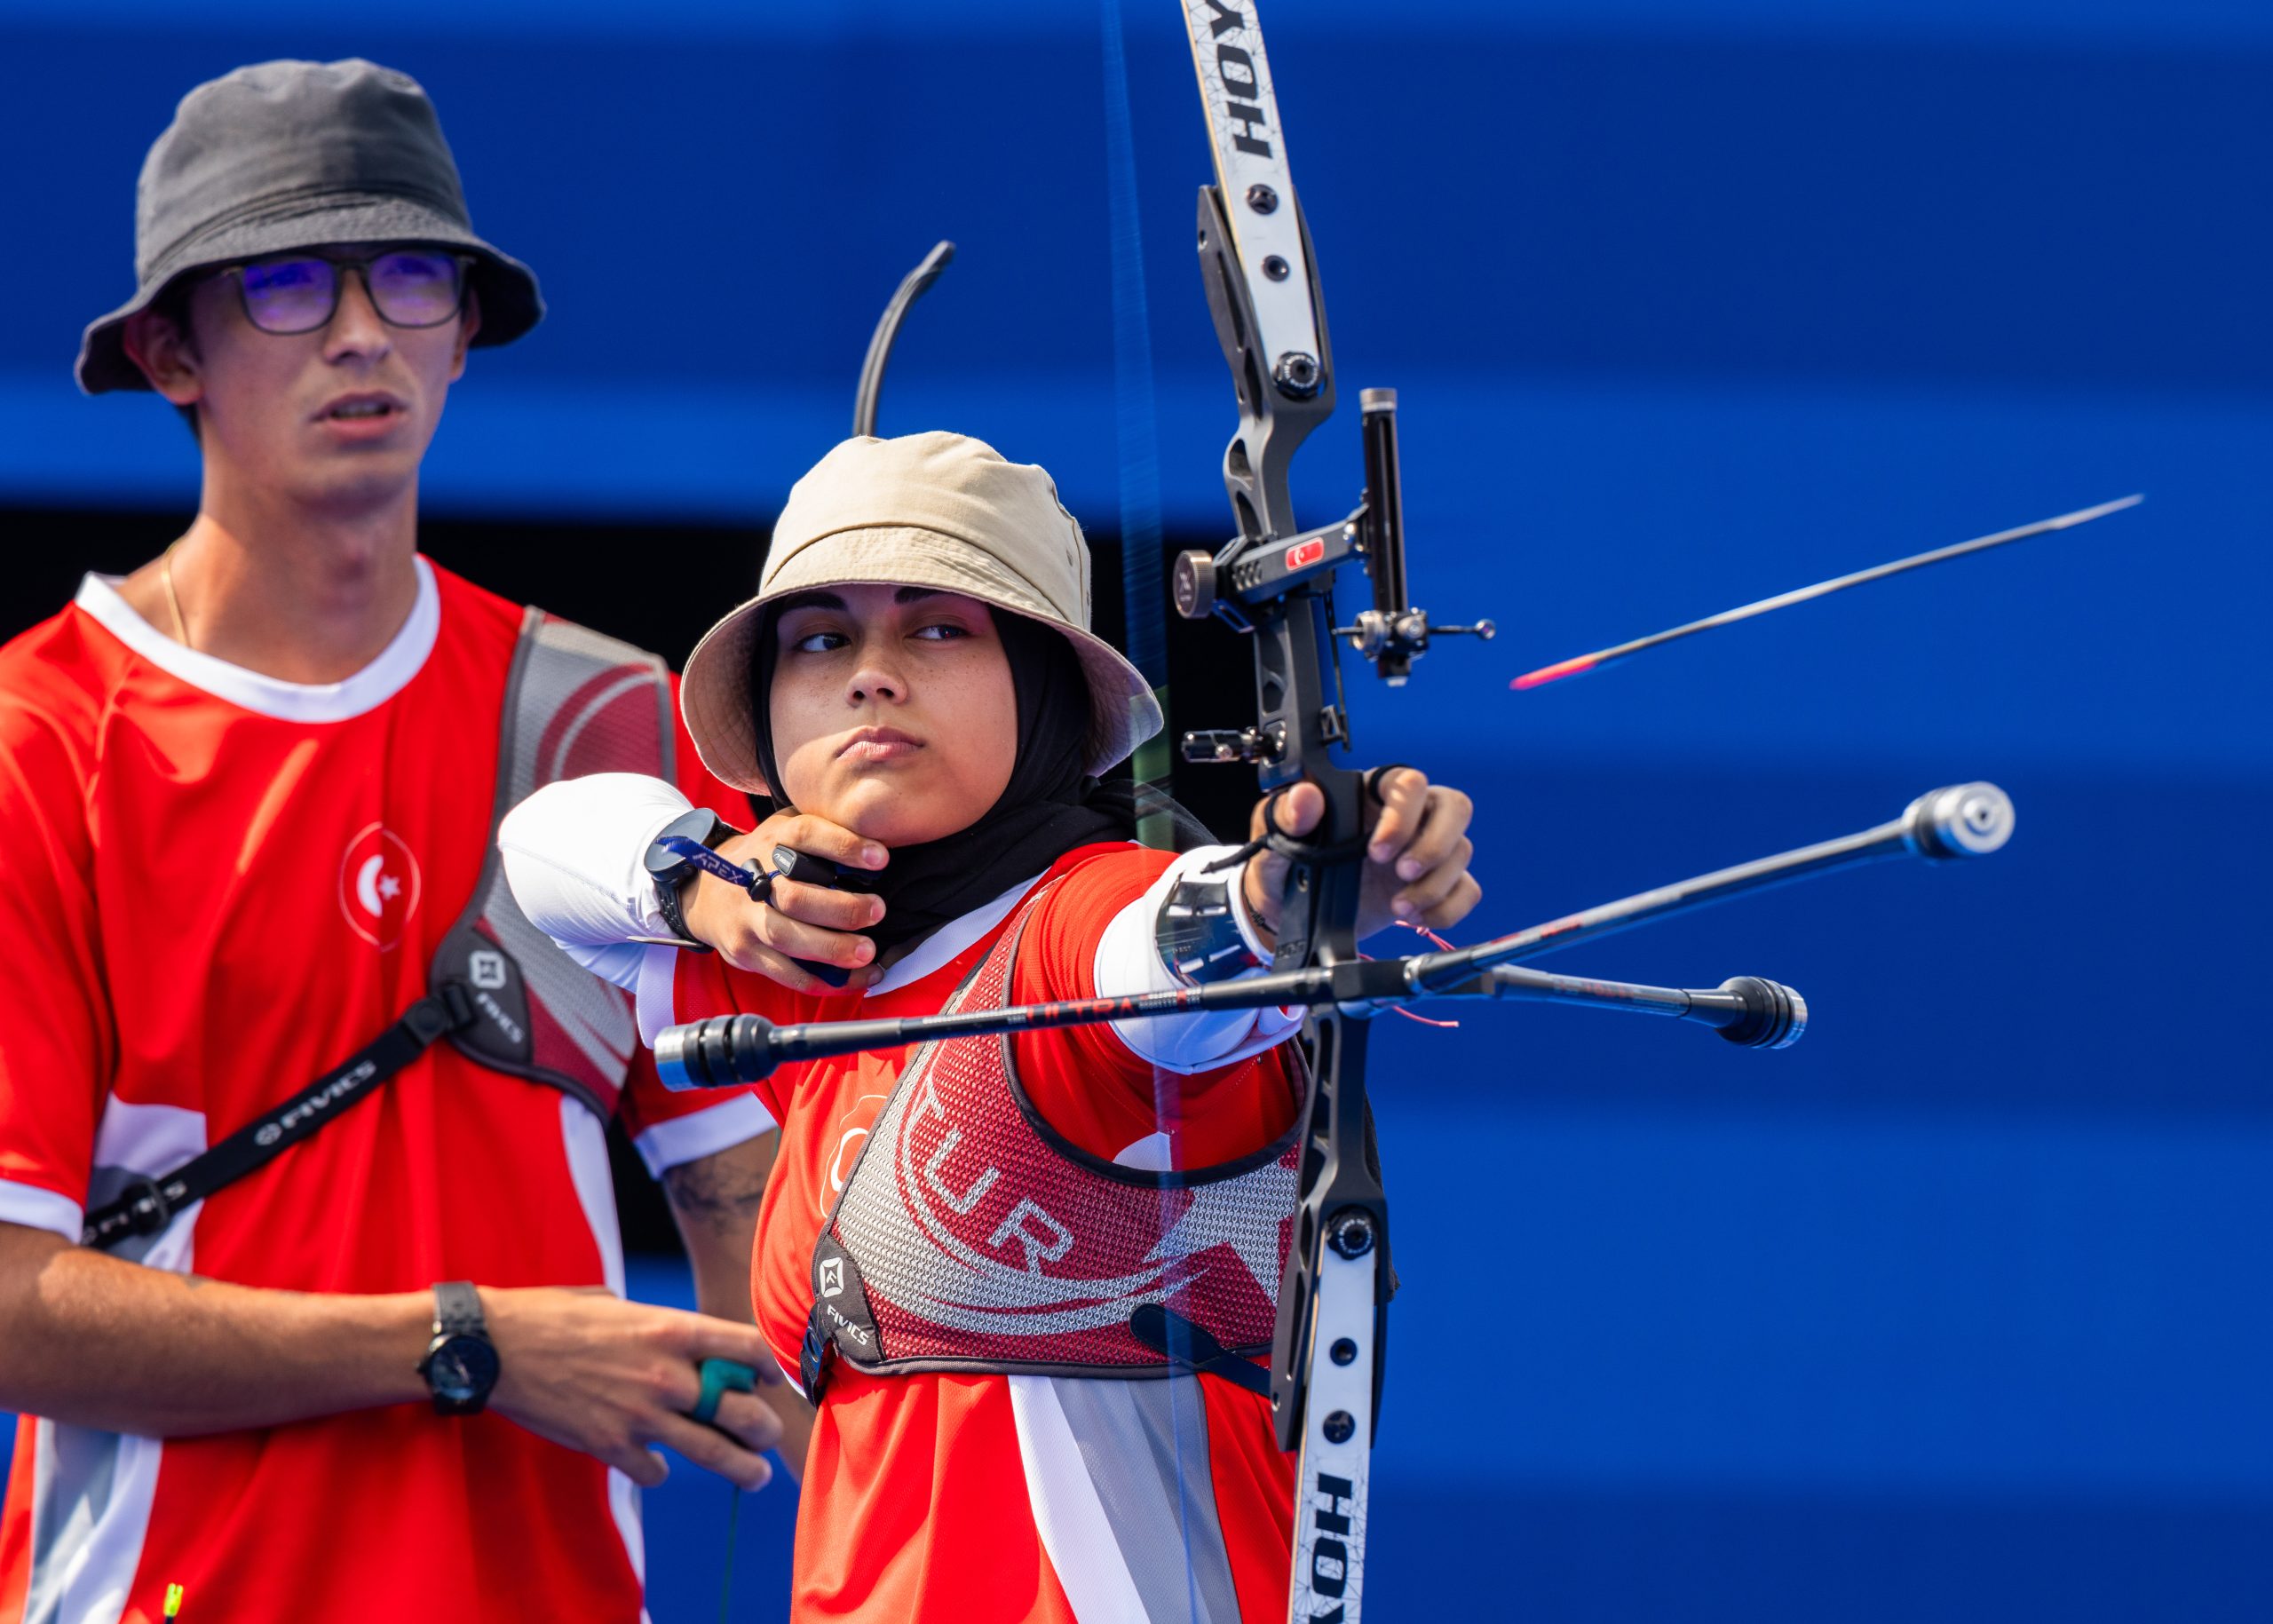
[(726, 1050), (1745, 1009)]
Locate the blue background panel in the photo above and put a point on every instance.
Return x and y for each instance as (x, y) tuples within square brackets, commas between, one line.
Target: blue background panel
[(1956, 1309)]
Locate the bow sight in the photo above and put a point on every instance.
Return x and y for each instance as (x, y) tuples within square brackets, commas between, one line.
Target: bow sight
[(1281, 587), (1277, 585)]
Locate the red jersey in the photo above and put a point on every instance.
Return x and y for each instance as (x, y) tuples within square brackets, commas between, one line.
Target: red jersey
[(951, 1496), (213, 886)]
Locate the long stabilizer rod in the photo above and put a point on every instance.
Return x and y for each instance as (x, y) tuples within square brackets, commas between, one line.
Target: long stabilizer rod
[(1941, 826), (1821, 589)]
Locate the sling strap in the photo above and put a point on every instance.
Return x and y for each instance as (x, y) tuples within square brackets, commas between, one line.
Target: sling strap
[(150, 1204), (499, 989)]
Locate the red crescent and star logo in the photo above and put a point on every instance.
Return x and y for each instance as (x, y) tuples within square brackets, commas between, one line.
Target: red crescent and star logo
[(379, 884)]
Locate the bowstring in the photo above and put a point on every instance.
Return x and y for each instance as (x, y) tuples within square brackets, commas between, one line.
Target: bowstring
[(1143, 585), (727, 1577), (1136, 424)]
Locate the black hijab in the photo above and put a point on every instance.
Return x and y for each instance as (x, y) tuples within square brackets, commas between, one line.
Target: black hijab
[(1050, 806)]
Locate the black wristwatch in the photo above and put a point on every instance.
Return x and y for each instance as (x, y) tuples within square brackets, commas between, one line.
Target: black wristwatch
[(461, 1364), (672, 873)]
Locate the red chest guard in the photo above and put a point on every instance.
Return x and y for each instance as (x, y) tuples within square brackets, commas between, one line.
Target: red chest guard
[(972, 1236)]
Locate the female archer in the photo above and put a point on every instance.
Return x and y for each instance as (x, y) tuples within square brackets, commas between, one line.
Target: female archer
[(955, 1240)]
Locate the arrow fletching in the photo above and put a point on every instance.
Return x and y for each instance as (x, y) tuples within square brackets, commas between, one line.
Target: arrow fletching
[(1595, 661)]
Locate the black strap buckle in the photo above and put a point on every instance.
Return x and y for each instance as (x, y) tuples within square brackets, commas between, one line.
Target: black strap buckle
[(813, 1358), (144, 1207), (1192, 1348), (445, 1009)]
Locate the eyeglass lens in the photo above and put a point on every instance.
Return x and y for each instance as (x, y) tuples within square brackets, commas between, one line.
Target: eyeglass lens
[(409, 288)]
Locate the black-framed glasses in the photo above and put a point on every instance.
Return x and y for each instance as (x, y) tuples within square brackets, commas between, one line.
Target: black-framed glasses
[(298, 293)]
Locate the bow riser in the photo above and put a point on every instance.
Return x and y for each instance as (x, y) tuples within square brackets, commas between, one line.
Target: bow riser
[(1274, 418)]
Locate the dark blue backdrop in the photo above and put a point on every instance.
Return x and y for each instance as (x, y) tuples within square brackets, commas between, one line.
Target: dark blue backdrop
[(1957, 1310)]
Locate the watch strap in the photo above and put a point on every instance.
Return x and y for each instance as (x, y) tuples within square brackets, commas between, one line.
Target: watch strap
[(457, 1320), (670, 899), (673, 873), (458, 1310)]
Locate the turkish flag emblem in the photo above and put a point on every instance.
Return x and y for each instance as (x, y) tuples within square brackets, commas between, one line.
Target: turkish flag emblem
[(378, 886)]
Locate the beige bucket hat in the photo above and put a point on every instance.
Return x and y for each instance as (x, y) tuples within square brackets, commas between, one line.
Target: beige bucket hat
[(933, 509)]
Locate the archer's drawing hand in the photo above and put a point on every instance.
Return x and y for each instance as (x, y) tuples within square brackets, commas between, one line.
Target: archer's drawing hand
[(801, 921), (585, 1369), (1416, 862)]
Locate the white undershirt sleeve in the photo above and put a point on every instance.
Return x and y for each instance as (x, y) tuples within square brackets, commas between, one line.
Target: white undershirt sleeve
[(655, 991), (1128, 961), (574, 856), (37, 1208), (618, 964)]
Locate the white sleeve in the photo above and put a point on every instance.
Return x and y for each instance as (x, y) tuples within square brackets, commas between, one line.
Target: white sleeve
[(619, 964), (37, 1208), (655, 991), (1128, 961), (677, 1140), (574, 855)]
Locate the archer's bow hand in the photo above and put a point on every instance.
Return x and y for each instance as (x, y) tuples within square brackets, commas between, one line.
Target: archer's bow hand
[(1416, 861)]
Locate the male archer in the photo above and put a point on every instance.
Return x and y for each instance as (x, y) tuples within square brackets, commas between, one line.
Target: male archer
[(369, 1358)]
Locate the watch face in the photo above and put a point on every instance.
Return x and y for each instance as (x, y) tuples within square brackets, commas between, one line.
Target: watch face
[(462, 1369), (702, 826)]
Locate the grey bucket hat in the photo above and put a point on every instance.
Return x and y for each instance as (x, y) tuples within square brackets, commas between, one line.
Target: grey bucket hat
[(285, 155), (933, 509)]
